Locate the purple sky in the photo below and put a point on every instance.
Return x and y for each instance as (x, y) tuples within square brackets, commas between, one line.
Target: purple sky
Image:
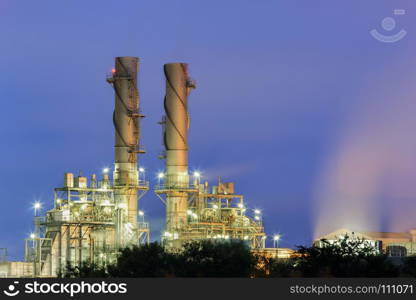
[(296, 102)]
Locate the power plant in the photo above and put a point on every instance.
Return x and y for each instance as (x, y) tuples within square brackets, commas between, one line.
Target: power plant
[(193, 210), (92, 219)]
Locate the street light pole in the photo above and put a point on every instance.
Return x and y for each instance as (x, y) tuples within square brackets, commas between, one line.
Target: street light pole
[(141, 214), (197, 176), (159, 177), (36, 207), (143, 179), (276, 239)]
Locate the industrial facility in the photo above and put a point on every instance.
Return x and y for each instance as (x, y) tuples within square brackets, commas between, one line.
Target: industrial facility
[(194, 210), (92, 218)]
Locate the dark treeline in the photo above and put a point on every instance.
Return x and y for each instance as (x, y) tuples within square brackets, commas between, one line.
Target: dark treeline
[(207, 258)]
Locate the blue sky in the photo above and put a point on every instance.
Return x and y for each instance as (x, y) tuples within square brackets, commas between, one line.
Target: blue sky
[(296, 102)]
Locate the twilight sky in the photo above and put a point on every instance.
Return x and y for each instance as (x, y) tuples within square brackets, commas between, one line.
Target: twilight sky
[(296, 102)]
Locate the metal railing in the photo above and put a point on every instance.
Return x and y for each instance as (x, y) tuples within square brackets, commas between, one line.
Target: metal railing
[(143, 183), (143, 225), (167, 186)]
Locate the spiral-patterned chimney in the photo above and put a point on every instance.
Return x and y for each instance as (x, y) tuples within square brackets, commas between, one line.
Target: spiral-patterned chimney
[(178, 86)]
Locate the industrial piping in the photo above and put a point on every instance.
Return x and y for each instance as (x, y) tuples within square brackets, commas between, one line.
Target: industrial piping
[(178, 86)]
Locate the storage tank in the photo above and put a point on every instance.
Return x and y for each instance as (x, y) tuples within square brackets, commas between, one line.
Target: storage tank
[(69, 180), (81, 182)]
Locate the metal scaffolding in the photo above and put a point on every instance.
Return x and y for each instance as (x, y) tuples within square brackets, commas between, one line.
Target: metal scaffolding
[(81, 228), (216, 214), (91, 222)]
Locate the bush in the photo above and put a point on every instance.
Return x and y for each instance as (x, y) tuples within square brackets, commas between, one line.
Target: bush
[(267, 266), (409, 266), (85, 270)]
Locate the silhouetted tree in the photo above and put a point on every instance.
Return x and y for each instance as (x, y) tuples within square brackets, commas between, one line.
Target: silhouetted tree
[(343, 258), (215, 258), (207, 258), (151, 260), (233, 258)]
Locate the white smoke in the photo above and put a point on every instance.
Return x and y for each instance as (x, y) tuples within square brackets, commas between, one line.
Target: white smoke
[(370, 179)]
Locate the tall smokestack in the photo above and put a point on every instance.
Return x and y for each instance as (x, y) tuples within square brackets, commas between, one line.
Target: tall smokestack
[(126, 124), (178, 86)]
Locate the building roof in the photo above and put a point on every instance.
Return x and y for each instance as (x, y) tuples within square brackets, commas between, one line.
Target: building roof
[(342, 232), (368, 235)]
